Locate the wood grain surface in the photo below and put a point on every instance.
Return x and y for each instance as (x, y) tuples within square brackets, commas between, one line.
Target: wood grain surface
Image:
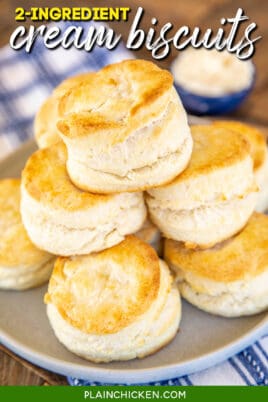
[(14, 370)]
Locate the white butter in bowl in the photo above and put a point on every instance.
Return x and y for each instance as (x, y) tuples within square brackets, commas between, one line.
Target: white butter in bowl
[(212, 82)]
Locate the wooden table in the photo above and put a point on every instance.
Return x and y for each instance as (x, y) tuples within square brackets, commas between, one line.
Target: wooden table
[(14, 370)]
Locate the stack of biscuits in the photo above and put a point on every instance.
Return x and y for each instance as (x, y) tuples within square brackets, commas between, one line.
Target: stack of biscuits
[(117, 165)]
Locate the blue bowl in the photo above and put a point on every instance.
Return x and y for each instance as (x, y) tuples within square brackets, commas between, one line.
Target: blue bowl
[(213, 105)]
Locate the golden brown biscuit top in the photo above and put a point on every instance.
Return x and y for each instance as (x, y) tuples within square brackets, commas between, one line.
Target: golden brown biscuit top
[(45, 178), (113, 97), (255, 138), (243, 256), (104, 292), (45, 124), (214, 148), (70, 82), (16, 249)]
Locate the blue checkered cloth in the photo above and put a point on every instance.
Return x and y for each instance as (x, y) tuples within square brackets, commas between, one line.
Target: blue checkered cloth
[(25, 81), (249, 367)]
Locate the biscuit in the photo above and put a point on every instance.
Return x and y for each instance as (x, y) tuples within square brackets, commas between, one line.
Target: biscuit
[(22, 265), (117, 304), (64, 220), (45, 123), (214, 197), (125, 129), (230, 279), (259, 153)]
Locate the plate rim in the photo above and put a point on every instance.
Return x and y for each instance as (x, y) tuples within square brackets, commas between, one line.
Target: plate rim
[(135, 376)]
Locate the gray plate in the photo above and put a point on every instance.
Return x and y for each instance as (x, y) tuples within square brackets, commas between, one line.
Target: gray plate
[(203, 339)]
